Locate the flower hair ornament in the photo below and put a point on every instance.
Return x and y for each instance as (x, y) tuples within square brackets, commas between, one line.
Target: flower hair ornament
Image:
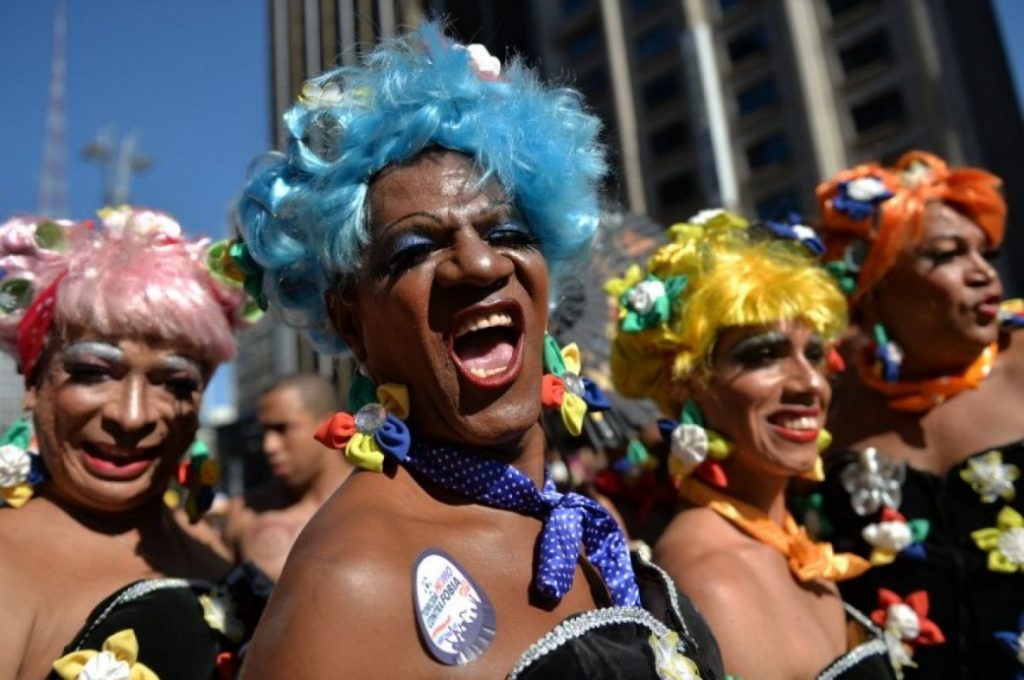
[(198, 474), (563, 388), (695, 448), (21, 467)]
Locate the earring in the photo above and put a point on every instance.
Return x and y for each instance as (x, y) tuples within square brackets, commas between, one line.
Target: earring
[(695, 448), (198, 475), (888, 354), (21, 466), (377, 428), (817, 473), (563, 388)]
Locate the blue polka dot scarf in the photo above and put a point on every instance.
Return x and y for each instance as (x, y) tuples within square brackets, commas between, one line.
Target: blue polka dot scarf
[(569, 519)]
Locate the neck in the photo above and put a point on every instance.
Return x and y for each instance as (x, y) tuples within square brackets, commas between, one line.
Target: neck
[(916, 367), (527, 454), (150, 517), (763, 491)]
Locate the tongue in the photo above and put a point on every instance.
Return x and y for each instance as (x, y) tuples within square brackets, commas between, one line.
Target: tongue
[(485, 350)]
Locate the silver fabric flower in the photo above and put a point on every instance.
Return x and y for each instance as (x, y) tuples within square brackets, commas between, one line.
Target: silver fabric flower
[(873, 481)]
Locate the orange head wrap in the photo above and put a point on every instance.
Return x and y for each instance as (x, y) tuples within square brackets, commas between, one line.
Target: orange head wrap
[(882, 208)]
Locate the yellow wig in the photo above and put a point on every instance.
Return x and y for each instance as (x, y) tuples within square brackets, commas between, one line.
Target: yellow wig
[(733, 277)]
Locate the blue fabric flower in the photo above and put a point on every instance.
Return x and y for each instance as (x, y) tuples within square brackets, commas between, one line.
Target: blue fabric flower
[(793, 230), (1012, 642)]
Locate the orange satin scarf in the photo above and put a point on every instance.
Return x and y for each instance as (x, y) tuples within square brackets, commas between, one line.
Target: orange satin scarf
[(807, 560), (917, 396)]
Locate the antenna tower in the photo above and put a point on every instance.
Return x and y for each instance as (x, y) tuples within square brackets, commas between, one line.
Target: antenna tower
[(53, 183)]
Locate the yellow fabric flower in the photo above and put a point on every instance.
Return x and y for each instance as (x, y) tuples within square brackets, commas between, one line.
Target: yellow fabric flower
[(16, 496), (990, 478), (219, 614), (1004, 542), (669, 662), (118, 660), (615, 287)]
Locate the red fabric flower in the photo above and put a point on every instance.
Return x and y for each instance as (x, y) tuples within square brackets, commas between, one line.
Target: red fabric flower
[(552, 391), (336, 430), (907, 619)]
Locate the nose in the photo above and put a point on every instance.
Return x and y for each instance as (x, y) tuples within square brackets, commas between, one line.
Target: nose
[(981, 272), (131, 411), (805, 383), (271, 442), (473, 261)]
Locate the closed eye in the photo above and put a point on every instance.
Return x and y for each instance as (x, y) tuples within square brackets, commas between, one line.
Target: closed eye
[(511, 233), (408, 251)]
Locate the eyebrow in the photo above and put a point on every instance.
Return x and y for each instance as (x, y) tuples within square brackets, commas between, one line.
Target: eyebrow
[(177, 361), (491, 207), (103, 350)]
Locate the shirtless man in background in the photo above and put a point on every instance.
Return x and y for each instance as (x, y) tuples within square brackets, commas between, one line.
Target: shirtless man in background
[(262, 525)]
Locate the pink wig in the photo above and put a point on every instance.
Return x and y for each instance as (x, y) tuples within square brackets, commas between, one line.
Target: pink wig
[(136, 276)]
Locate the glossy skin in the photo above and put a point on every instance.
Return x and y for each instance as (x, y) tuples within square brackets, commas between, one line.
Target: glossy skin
[(262, 526), (349, 576), (761, 379), (937, 302), (113, 417)]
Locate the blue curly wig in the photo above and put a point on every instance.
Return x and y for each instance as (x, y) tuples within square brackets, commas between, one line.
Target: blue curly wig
[(303, 213)]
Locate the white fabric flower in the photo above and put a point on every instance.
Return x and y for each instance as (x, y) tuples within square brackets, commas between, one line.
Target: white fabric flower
[(486, 66), (644, 295), (890, 536), (873, 481), (152, 222), (1011, 544), (15, 465), (865, 189), (902, 621), (705, 216), (105, 666), (690, 444), (1020, 648)]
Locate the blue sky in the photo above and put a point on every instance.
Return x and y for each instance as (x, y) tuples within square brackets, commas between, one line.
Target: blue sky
[(191, 77)]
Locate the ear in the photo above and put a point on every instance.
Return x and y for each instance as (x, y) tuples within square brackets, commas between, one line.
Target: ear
[(31, 398), (341, 309)]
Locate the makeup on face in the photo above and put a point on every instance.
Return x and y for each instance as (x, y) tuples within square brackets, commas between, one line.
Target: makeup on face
[(93, 359), (763, 348)]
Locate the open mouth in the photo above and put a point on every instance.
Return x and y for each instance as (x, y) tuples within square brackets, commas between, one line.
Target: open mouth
[(800, 427), (487, 344), (112, 462)]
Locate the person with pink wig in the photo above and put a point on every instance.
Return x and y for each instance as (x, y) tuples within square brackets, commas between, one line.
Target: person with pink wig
[(117, 328)]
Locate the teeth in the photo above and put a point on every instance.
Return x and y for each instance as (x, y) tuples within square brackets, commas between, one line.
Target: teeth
[(802, 423), (486, 372), (479, 323)]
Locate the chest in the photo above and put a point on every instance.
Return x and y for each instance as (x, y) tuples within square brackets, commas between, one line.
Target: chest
[(67, 589)]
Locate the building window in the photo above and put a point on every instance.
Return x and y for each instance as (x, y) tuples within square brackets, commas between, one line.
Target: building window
[(778, 206), (661, 90), (583, 43), (655, 42), (669, 139), (641, 6), (874, 49), (595, 84), (760, 95), (748, 44), (768, 151), (573, 6), (727, 5), (885, 109), (676, 190), (840, 7)]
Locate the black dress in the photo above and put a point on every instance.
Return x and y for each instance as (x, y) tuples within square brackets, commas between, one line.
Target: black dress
[(628, 642), (955, 524), (185, 630)]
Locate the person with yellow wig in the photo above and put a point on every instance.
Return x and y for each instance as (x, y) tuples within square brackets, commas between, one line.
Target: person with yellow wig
[(928, 425), (729, 329)]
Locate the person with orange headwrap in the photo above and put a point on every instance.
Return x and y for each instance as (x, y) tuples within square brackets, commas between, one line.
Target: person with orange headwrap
[(927, 424)]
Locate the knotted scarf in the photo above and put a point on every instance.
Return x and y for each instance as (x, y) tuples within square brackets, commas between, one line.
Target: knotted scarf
[(807, 560), (569, 518)]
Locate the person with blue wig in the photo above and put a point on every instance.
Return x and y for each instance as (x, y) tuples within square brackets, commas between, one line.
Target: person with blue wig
[(424, 197)]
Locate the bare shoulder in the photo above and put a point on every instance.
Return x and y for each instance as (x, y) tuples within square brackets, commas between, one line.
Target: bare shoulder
[(707, 562), (346, 580), (1013, 353), (21, 566)]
